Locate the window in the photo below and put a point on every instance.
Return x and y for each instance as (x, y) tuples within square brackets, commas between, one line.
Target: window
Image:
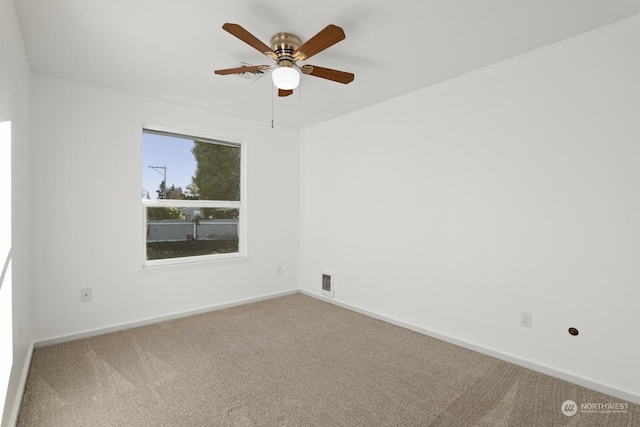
[(192, 198)]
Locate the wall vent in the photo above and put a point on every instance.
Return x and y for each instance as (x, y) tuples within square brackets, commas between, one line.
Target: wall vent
[(327, 284), (251, 75)]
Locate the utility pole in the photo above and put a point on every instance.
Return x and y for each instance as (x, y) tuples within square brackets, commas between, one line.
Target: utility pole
[(164, 179)]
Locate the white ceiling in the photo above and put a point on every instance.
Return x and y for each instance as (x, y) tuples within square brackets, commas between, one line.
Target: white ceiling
[(168, 49)]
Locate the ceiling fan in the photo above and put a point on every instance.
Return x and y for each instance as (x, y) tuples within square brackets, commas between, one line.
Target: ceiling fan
[(286, 50)]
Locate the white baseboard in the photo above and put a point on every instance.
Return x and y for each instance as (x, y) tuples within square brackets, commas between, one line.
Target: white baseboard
[(22, 384), (124, 326), (534, 366)]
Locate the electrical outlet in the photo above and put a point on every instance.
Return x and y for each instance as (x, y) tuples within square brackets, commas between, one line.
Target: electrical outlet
[(525, 319), (85, 294), (279, 271)]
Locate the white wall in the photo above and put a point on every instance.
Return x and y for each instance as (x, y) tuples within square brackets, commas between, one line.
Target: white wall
[(512, 188), (87, 170), (14, 107)]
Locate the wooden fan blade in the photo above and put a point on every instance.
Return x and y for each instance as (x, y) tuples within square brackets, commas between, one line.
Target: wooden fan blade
[(328, 73), (250, 39), (240, 70), (329, 36), (285, 92)]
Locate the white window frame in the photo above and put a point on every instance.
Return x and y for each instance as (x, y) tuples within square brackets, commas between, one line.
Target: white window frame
[(241, 205)]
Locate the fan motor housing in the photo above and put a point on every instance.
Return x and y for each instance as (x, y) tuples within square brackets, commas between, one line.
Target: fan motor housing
[(284, 45)]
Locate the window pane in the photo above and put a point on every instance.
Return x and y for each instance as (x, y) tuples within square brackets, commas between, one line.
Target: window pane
[(189, 168), (175, 232)]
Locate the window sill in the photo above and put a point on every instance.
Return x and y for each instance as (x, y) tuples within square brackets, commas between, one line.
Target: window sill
[(159, 268)]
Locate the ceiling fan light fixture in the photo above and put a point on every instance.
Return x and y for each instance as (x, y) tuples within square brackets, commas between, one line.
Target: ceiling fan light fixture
[(286, 78), (286, 50)]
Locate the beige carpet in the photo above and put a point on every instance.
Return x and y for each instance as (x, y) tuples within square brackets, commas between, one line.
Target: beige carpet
[(291, 361)]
